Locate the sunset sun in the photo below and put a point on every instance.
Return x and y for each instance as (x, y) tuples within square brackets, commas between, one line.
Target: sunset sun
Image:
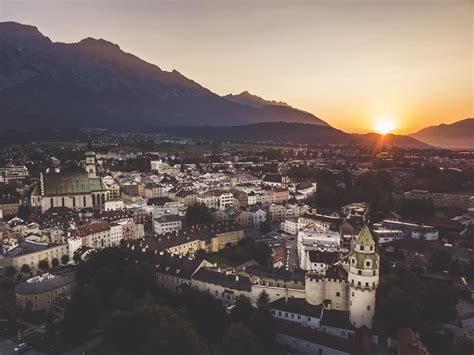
[(384, 124)]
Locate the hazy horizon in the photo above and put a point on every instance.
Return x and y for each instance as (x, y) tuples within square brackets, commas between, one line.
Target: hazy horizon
[(344, 61)]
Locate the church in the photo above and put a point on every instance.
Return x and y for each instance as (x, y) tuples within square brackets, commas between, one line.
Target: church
[(75, 190)]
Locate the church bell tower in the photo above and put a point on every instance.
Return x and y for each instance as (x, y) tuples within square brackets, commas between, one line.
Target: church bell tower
[(90, 165)]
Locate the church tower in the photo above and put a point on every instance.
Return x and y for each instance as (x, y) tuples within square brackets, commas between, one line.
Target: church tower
[(90, 165), (363, 279)]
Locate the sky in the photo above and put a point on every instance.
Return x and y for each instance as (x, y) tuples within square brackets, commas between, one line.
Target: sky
[(349, 62)]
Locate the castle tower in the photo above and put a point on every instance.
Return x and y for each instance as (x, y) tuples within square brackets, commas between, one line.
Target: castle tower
[(363, 279), (90, 165)]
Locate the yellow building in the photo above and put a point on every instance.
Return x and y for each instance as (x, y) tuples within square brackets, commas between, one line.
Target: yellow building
[(210, 237), (31, 253), (39, 292)]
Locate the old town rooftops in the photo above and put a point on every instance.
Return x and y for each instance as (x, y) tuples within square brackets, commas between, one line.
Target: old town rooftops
[(274, 273), (318, 256), (337, 319), (314, 336), (199, 232), (297, 306), (171, 264), (42, 284), (226, 280), (91, 228), (71, 183)]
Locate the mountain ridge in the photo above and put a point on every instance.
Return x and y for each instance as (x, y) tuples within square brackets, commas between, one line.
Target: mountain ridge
[(246, 98), (456, 135), (93, 83)]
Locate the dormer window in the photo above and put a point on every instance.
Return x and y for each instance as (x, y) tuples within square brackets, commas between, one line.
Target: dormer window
[(361, 247)]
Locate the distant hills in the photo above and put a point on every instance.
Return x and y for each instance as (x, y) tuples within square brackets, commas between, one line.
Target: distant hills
[(294, 133), (93, 83), (456, 135), (389, 140), (271, 132)]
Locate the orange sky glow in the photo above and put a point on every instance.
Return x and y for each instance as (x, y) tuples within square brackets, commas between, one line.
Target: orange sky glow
[(347, 62)]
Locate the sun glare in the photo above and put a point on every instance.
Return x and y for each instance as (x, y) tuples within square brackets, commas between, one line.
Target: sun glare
[(384, 125)]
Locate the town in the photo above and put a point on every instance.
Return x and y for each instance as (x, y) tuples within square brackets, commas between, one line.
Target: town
[(126, 242)]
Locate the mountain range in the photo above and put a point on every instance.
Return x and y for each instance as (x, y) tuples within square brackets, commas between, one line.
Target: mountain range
[(457, 135), (94, 84), (246, 98)]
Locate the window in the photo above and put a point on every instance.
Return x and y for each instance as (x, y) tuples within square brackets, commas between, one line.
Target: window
[(367, 284), (368, 308), (361, 247), (338, 294), (359, 272), (367, 263)]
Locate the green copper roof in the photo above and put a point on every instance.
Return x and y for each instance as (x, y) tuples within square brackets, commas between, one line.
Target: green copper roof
[(72, 183), (362, 258), (364, 237)]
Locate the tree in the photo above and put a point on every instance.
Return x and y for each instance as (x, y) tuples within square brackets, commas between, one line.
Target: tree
[(263, 300), (205, 312), (83, 313), (43, 265), (198, 213), (263, 254), (149, 327), (76, 257), (440, 260), (10, 272), (440, 301), (200, 254), (25, 269), (64, 259), (241, 340), (463, 346), (242, 310), (417, 209), (55, 263), (265, 227)]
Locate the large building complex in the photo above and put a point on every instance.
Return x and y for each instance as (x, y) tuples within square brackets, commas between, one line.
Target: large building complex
[(73, 190)]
